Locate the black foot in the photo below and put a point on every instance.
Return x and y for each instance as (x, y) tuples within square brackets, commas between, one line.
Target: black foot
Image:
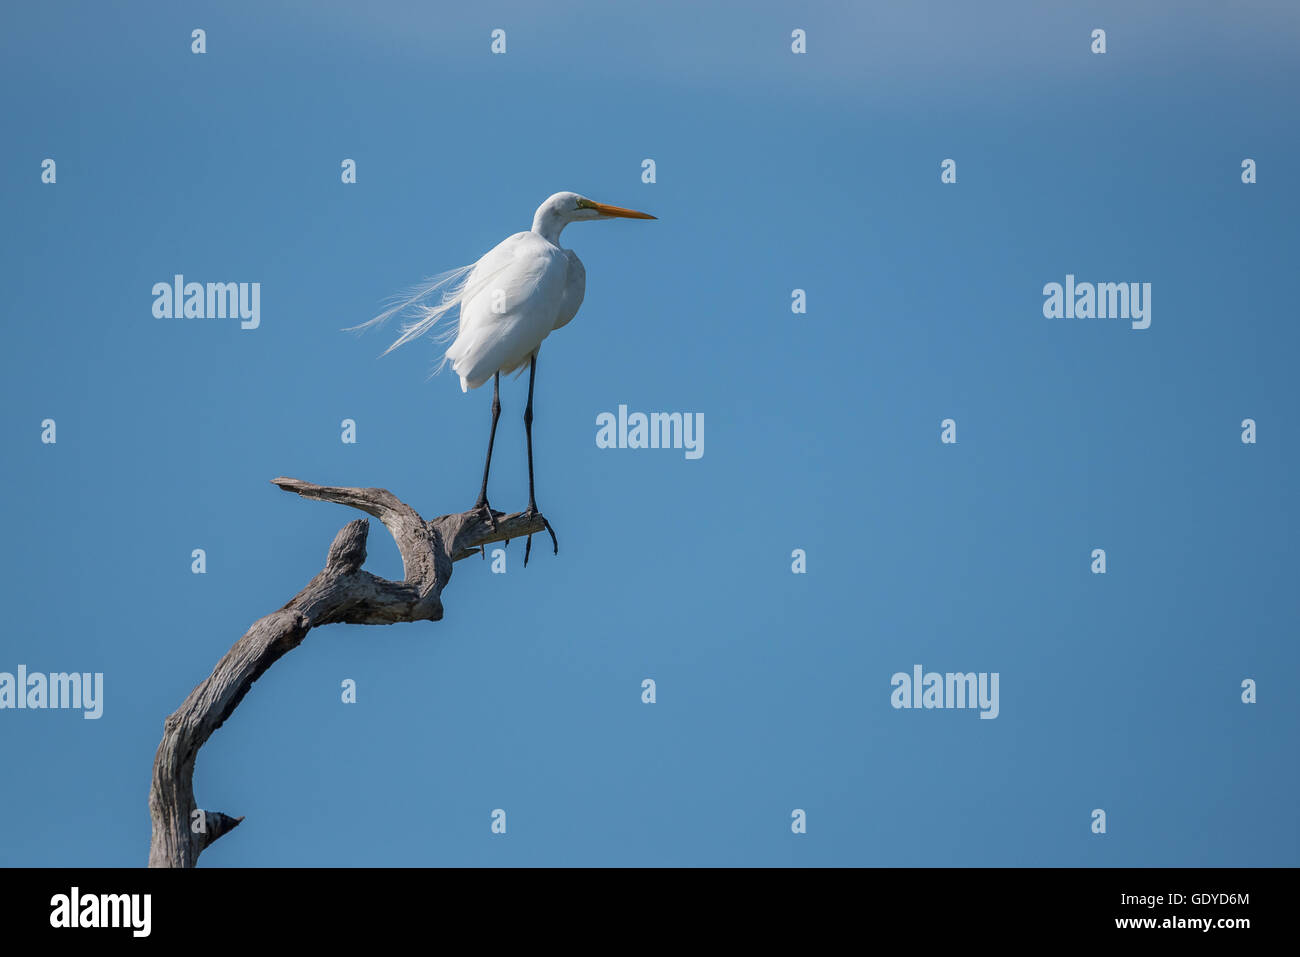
[(484, 511), (531, 512)]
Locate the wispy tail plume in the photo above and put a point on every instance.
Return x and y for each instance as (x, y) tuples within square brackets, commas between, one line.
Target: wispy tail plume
[(421, 316)]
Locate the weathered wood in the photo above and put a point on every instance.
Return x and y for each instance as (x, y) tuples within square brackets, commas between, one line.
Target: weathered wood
[(341, 592)]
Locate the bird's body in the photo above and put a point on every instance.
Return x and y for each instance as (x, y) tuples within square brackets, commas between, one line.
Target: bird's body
[(509, 301), (523, 289)]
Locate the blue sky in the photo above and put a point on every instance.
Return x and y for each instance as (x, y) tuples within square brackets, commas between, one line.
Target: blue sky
[(775, 171)]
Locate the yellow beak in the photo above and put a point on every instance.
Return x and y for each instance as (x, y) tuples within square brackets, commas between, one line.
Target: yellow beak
[(619, 211)]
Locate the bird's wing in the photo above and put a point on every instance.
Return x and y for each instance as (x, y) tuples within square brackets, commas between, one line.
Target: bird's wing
[(574, 289), (511, 302)]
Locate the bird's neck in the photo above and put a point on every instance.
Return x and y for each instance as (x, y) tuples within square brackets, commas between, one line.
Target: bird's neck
[(549, 224)]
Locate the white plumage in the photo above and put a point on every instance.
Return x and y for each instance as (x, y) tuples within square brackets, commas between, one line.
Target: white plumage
[(509, 300), (520, 292)]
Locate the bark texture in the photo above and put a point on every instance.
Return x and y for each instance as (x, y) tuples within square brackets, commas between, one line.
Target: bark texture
[(341, 592)]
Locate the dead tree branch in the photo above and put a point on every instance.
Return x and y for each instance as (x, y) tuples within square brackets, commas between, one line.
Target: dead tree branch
[(341, 592)]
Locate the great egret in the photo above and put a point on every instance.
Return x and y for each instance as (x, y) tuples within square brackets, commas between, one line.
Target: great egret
[(509, 300)]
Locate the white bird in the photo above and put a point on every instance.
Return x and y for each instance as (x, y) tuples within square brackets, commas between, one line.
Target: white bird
[(509, 301)]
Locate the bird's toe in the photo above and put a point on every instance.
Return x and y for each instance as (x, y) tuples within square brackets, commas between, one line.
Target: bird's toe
[(484, 512)]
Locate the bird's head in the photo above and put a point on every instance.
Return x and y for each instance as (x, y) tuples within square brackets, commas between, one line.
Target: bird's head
[(564, 208)]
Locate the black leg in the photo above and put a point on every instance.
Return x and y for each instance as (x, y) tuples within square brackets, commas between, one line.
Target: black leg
[(482, 502), (528, 430)]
